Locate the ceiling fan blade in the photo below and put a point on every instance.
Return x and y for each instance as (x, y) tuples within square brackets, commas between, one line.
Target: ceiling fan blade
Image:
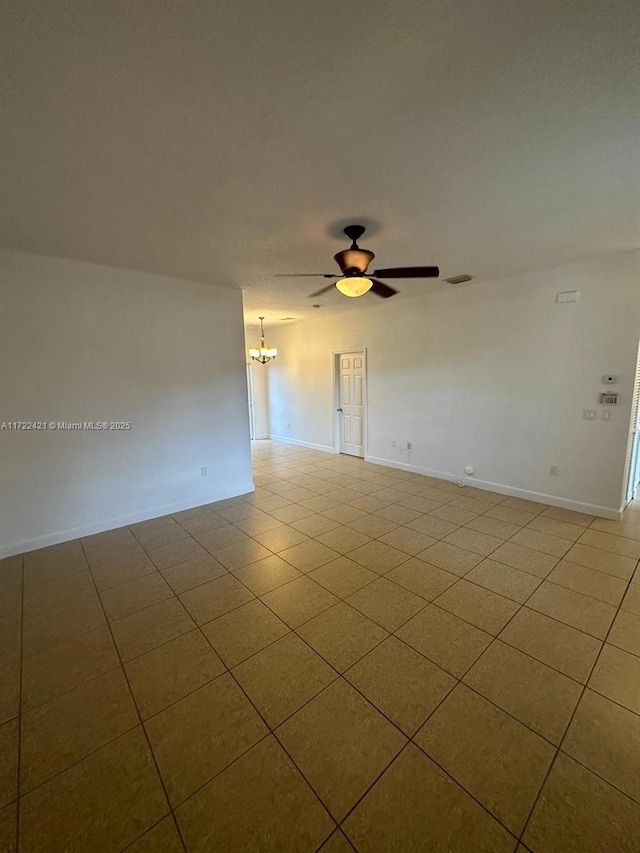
[(381, 289), (409, 272), (305, 275), (320, 292)]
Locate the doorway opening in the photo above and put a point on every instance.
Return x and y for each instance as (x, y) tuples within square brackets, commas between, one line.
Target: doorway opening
[(633, 461), (350, 426)]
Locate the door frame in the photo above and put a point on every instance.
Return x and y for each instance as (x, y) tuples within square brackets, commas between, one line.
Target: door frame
[(336, 397), (250, 401), (632, 463)]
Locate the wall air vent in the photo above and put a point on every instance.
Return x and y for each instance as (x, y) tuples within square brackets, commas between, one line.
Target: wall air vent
[(460, 279)]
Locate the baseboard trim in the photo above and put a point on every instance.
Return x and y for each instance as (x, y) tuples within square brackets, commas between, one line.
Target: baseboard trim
[(111, 523), (284, 440), (502, 489)]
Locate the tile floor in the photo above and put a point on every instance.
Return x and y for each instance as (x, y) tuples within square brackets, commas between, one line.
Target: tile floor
[(353, 657)]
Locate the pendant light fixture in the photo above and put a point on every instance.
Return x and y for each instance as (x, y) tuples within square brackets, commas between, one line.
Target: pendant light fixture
[(264, 354)]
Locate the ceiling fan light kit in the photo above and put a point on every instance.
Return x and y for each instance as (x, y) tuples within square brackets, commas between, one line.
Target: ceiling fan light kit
[(354, 262), (263, 354)]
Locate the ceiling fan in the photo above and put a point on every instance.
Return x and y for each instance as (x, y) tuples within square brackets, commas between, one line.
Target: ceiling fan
[(354, 280)]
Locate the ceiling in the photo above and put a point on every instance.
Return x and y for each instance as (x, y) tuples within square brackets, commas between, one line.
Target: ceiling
[(229, 141)]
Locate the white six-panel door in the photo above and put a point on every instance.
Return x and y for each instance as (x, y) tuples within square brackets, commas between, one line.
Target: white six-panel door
[(351, 403)]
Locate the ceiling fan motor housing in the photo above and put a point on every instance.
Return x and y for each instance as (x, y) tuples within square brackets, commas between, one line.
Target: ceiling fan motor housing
[(354, 261)]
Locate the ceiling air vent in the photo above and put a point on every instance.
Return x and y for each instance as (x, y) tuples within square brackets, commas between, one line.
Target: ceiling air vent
[(460, 279), (287, 318)]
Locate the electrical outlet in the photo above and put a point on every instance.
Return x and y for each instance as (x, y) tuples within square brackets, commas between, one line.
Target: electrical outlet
[(589, 414), (288, 426), (409, 445), (393, 442), (605, 415), (554, 471), (203, 472)]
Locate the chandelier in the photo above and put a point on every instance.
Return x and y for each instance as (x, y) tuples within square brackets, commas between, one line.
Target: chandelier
[(264, 354)]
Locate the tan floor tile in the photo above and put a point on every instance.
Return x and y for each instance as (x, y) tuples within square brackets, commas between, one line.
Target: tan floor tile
[(525, 505), (631, 601), (566, 649), (500, 578), (342, 577), (615, 544), (342, 635), (337, 843), (291, 513), (266, 574), (9, 734), (579, 813), (282, 677), (386, 603), (132, 566), (363, 744), (417, 807), (193, 573), (241, 554), (524, 559), (617, 528), (259, 524), (603, 561), (398, 514), (200, 735), (343, 539), (580, 611), (510, 515), (121, 601), (236, 511), (150, 628), (298, 601), (308, 555), (164, 522), (344, 514), (423, 504), (8, 828), (553, 527), (215, 598), (318, 503), (421, 578), (437, 528), (46, 596), (401, 683), (314, 525), (176, 552), (555, 546), (373, 526), (472, 504), (49, 626), (244, 631), (65, 665), (204, 523), (121, 536), (280, 538), (484, 609), (625, 632), (221, 537), (589, 582), (168, 673), (493, 526), (408, 541), (450, 557), (158, 538), (617, 675), (446, 640), (471, 540), (285, 816), (378, 557), (369, 503), (103, 803), (67, 729), (606, 739), (568, 515), (163, 838), (494, 757), (532, 692), (454, 514), (9, 690)]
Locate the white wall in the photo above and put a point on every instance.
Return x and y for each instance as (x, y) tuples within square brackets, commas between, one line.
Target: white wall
[(80, 342), (494, 374), (260, 380)]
